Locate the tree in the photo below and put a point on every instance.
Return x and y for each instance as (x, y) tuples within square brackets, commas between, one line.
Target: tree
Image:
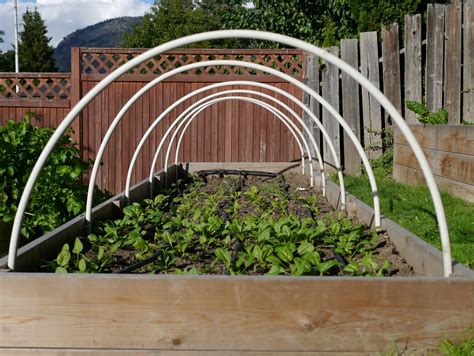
[(322, 22), (7, 61), (36, 55), (170, 19)]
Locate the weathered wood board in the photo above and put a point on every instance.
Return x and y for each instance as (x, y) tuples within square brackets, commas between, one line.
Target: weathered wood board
[(371, 109), (452, 61), (413, 87), (201, 313), (449, 151), (350, 106), (330, 92), (435, 56)]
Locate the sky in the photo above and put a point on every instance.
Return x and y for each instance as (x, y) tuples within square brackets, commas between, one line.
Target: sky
[(65, 16)]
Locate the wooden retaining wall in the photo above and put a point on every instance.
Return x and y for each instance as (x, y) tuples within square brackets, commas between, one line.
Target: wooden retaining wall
[(450, 153)]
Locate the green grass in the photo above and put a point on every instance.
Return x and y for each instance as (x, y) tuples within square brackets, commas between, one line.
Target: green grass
[(411, 207)]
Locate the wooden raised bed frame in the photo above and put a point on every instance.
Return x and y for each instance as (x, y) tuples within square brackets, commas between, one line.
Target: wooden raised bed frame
[(223, 315)]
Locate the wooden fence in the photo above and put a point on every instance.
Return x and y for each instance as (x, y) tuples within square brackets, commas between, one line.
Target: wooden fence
[(228, 131), (438, 71)]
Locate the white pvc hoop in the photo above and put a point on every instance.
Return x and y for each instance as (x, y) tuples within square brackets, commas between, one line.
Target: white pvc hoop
[(268, 36), (192, 115), (282, 117), (269, 107)]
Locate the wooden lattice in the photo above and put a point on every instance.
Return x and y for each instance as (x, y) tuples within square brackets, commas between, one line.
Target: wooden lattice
[(31, 86), (100, 61)]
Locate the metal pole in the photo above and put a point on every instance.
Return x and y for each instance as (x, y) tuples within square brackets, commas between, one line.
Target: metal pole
[(15, 22)]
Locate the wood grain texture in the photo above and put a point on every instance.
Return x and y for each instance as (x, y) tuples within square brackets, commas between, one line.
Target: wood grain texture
[(330, 92), (435, 56), (232, 314), (411, 175), (371, 109), (445, 164), (452, 138), (468, 62), (391, 66), (312, 80), (413, 84), (452, 61), (350, 106)]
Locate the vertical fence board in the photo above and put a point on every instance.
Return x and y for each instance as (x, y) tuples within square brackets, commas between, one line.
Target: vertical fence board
[(350, 106), (468, 63), (435, 56), (312, 80), (330, 90), (413, 86), (391, 66), (453, 61), (371, 109)]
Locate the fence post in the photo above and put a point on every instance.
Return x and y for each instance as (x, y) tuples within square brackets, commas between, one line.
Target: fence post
[(311, 78), (350, 106), (75, 95), (391, 66), (468, 77), (453, 62), (434, 56), (330, 90), (413, 90), (371, 110)]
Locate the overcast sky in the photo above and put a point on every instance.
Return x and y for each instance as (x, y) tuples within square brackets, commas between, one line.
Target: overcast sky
[(65, 16)]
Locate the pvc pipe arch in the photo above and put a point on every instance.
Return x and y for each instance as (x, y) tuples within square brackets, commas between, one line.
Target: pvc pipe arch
[(270, 108), (155, 123), (192, 115), (250, 34), (255, 66)]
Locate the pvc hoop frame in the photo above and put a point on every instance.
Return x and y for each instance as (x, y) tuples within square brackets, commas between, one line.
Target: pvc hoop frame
[(193, 114), (268, 107), (250, 34), (278, 113), (277, 73)]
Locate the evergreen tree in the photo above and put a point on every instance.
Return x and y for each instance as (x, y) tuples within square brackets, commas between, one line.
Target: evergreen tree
[(36, 55), (7, 61)]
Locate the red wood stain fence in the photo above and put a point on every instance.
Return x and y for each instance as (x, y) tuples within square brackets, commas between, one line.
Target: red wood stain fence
[(228, 131)]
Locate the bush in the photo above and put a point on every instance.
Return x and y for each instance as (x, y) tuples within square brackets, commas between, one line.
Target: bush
[(58, 194)]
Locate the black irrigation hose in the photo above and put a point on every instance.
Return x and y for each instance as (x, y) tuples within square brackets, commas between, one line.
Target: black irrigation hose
[(339, 258), (221, 172), (139, 264)]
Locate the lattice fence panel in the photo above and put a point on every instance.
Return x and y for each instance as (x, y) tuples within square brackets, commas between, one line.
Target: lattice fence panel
[(96, 62), (34, 88)]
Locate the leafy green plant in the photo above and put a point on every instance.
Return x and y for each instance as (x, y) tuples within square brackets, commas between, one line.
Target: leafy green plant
[(205, 231), (58, 194), (427, 117)]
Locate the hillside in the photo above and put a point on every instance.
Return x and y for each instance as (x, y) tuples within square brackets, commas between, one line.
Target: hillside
[(103, 34)]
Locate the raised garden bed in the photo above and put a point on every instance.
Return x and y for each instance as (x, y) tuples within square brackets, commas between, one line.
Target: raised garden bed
[(233, 313)]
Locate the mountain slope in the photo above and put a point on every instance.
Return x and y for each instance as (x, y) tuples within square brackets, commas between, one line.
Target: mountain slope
[(103, 34)]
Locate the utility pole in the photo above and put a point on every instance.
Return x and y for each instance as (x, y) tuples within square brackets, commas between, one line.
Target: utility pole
[(15, 21)]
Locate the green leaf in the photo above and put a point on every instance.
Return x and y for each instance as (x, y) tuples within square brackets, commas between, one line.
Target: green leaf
[(78, 246), (305, 247), (275, 270), (224, 255), (257, 253), (60, 269), (82, 265), (100, 253), (64, 256), (285, 254)]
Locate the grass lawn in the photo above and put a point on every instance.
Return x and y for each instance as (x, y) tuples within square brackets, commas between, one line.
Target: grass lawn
[(411, 207)]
